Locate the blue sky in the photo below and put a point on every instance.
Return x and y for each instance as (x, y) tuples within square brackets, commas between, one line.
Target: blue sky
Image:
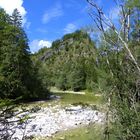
[(48, 20)]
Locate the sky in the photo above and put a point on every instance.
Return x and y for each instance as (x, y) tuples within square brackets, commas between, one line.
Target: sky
[(47, 20)]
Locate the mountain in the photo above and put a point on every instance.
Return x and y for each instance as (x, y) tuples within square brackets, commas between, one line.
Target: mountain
[(70, 63)]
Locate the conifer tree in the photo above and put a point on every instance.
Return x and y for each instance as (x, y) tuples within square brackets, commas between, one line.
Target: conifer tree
[(18, 76)]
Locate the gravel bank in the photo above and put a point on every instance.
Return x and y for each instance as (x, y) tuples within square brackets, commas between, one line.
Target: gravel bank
[(50, 120)]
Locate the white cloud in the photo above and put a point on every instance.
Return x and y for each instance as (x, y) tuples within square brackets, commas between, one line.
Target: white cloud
[(52, 13), (36, 44), (10, 5), (44, 43), (69, 28)]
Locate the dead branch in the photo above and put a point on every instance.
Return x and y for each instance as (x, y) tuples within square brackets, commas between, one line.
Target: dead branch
[(103, 21)]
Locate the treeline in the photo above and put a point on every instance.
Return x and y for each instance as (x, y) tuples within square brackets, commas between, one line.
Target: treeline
[(18, 75), (70, 63)]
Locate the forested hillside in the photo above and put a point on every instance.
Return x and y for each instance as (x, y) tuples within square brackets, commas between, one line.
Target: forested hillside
[(18, 75), (70, 63)]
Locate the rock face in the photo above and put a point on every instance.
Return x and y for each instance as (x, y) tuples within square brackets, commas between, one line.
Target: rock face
[(50, 120)]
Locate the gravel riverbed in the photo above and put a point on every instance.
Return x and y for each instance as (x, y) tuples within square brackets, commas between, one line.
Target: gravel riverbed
[(47, 121)]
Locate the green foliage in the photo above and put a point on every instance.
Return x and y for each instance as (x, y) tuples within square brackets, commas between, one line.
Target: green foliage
[(120, 80), (77, 78), (67, 64), (18, 76), (134, 7)]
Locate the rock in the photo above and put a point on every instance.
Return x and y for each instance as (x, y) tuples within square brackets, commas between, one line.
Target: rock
[(74, 108), (47, 121), (34, 126), (86, 131), (54, 97), (61, 138)]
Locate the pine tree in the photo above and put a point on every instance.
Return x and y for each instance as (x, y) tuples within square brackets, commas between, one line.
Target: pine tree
[(18, 76), (16, 18)]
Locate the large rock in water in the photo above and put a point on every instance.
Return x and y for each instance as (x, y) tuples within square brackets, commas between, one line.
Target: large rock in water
[(54, 97), (74, 108)]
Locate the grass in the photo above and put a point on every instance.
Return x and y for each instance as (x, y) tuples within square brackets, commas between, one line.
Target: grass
[(67, 98), (84, 133), (91, 132)]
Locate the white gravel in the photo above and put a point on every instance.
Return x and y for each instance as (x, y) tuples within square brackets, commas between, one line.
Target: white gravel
[(48, 121)]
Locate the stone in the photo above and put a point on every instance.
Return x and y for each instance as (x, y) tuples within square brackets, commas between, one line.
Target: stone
[(61, 138), (86, 131), (49, 120)]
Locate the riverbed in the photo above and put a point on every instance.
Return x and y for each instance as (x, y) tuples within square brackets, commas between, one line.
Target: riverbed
[(47, 118)]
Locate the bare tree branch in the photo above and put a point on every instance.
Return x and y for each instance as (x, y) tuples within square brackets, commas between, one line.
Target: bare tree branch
[(102, 18)]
